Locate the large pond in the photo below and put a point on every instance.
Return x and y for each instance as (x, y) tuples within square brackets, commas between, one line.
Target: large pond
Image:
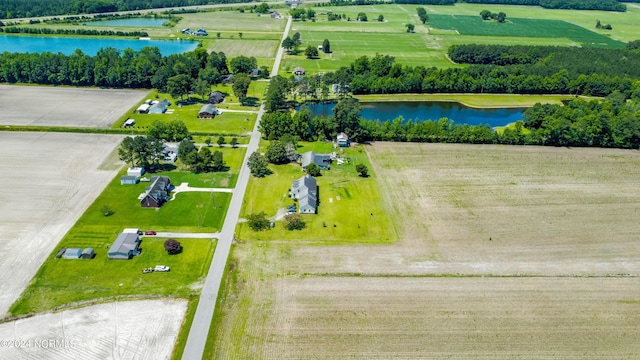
[(429, 110), (132, 22), (89, 46)]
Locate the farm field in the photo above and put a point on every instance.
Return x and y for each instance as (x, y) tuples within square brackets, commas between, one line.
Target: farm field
[(48, 180), (64, 106), (428, 45), (503, 252)]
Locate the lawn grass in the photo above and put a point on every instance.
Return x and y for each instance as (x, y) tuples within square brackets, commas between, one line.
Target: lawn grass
[(346, 220), (190, 211), (62, 281)]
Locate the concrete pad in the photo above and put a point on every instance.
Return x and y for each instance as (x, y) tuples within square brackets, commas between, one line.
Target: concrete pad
[(48, 180), (120, 330), (53, 106)]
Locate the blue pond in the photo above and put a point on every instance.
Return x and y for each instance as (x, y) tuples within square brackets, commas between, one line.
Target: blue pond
[(429, 110), (89, 46), (133, 22)]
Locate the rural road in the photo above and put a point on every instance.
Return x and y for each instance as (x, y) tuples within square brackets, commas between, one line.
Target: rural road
[(199, 331)]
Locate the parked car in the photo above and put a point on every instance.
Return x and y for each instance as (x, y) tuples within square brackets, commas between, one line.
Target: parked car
[(161, 268), (147, 270), (149, 232)]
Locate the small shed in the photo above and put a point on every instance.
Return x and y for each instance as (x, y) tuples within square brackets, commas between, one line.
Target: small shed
[(72, 253), (143, 109), (298, 71), (208, 111), (128, 180), (129, 123), (88, 253), (135, 171)]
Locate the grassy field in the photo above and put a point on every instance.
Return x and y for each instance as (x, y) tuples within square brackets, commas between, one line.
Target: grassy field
[(503, 251), (473, 100), (62, 281), (346, 203)]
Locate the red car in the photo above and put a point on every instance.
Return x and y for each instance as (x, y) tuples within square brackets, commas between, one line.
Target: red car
[(149, 232)]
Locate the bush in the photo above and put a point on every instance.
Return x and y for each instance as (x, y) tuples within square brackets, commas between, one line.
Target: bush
[(294, 222), (362, 170), (172, 246), (258, 221)]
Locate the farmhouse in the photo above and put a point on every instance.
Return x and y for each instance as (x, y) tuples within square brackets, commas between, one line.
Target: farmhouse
[(305, 190), (298, 71), (208, 111), (343, 140), (157, 193), (216, 97), (125, 247), (159, 107), (322, 160)]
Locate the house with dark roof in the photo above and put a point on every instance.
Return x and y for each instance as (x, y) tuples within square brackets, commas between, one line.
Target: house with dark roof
[(159, 108), (125, 247), (305, 190), (322, 160), (157, 193), (216, 97), (208, 111)]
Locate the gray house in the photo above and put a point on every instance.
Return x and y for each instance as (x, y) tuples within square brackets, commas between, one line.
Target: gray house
[(322, 160), (305, 190), (157, 193), (343, 140), (125, 247), (208, 111)]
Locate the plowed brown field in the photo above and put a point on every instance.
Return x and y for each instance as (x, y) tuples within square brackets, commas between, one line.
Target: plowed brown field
[(505, 253)]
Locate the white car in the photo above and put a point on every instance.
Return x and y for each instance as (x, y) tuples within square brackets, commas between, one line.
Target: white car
[(161, 268)]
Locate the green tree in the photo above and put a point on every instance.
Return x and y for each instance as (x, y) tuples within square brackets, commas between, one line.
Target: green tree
[(258, 221), (240, 35), (126, 151), (208, 141), (501, 17), (298, 14), (311, 52), (263, 8), (276, 96), (313, 170), (202, 88), (362, 17), (179, 85), (598, 24), (218, 35), (220, 141), (486, 14), (362, 170), (294, 222), (410, 28), (380, 18), (276, 153), (422, 14), (326, 46), (347, 115), (241, 86), (172, 246), (243, 64), (234, 142), (288, 44), (217, 161), (186, 147), (258, 165), (297, 41)]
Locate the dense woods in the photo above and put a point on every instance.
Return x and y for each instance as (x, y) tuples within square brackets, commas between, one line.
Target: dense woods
[(146, 68), (10, 9), (85, 32), (605, 5)]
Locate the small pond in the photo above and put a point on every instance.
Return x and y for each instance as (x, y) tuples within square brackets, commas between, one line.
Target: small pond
[(132, 22), (89, 46), (429, 110)]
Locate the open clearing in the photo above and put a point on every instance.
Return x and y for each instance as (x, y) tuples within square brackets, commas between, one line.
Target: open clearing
[(48, 180), (52, 106), (504, 252), (120, 330)]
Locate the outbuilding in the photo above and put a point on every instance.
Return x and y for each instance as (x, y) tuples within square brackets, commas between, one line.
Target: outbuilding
[(208, 111), (125, 247), (128, 180), (129, 123), (88, 253), (72, 253), (143, 109), (159, 107), (298, 71), (135, 171)]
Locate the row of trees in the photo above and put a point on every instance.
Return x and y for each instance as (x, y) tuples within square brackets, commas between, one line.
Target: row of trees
[(33, 8), (422, 14), (202, 160), (85, 32), (148, 150), (488, 15), (605, 5)]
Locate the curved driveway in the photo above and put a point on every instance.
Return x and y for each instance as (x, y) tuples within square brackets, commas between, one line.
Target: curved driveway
[(199, 331)]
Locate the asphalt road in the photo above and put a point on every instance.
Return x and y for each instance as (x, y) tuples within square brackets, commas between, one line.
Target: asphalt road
[(199, 331)]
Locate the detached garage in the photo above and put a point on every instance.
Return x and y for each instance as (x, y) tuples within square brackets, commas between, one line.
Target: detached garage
[(72, 253)]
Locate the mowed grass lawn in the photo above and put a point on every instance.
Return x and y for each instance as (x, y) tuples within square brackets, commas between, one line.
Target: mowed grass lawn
[(65, 281), (346, 203)]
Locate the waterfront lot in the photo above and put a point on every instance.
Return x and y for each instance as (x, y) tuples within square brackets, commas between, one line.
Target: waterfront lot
[(119, 330), (48, 180), (504, 252), (75, 107)]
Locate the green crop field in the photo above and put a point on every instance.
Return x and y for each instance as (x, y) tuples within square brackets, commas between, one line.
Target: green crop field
[(346, 203), (65, 281), (474, 25), (260, 49)]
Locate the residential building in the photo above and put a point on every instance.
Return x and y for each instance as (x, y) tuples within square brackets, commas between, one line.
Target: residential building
[(157, 193), (305, 190), (125, 247)]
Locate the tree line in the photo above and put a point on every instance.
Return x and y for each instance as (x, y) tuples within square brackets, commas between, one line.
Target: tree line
[(604, 5), (86, 32), (10, 9)]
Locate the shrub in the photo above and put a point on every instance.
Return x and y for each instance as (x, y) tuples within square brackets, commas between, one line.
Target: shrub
[(172, 246), (258, 221), (294, 222)]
